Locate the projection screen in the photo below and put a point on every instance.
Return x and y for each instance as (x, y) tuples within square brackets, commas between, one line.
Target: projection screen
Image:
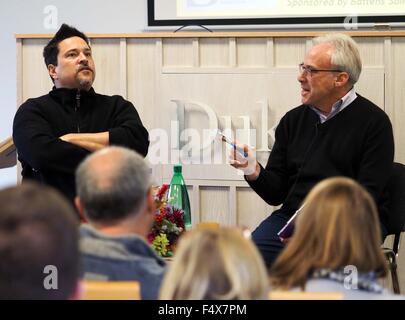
[(253, 12)]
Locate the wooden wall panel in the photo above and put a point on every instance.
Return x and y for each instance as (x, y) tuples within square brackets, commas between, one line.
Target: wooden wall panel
[(251, 208), (252, 52), (289, 51), (35, 77), (142, 64), (214, 52), (371, 51), (106, 55), (178, 52), (214, 205), (371, 85)]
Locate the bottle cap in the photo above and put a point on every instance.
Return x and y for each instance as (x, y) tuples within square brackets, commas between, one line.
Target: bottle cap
[(177, 168)]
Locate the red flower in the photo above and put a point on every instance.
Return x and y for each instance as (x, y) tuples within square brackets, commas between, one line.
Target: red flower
[(160, 216), (178, 217), (169, 220), (162, 191)]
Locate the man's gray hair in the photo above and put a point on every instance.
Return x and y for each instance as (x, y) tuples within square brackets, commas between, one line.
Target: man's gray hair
[(346, 56), (117, 192)]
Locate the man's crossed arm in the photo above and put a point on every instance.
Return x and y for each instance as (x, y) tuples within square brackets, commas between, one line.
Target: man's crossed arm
[(89, 141)]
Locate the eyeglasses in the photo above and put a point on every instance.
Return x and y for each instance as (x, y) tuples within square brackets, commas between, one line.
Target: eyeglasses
[(310, 70)]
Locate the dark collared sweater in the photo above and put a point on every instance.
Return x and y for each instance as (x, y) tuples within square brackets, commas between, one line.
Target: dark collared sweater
[(357, 143), (40, 122)]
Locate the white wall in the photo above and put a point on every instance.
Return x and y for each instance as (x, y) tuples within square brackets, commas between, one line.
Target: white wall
[(27, 16)]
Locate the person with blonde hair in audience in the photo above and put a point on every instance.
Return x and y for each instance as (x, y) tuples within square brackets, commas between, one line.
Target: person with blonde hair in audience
[(215, 264), (335, 246)]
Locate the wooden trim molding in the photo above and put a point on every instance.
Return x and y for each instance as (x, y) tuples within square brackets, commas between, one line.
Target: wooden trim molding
[(232, 34), (8, 156)]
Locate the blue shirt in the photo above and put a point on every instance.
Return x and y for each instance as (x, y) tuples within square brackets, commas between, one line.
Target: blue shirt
[(337, 106), (121, 258)]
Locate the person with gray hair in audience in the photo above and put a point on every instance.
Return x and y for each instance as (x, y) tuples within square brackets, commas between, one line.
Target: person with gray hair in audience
[(114, 195)]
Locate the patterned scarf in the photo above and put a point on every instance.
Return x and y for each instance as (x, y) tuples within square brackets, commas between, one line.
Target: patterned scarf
[(351, 281)]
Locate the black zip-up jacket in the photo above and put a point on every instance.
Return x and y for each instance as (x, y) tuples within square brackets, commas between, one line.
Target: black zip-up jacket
[(39, 123), (357, 143)]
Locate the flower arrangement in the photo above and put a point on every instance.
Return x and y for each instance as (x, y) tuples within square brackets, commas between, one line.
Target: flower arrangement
[(168, 224)]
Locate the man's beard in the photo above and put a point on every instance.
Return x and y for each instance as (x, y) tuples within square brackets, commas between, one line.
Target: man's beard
[(85, 84)]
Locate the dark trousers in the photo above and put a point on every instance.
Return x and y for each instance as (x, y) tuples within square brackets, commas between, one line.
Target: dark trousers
[(266, 239), (265, 236)]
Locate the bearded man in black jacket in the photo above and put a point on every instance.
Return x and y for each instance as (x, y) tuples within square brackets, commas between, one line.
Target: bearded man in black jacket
[(55, 132), (335, 132)]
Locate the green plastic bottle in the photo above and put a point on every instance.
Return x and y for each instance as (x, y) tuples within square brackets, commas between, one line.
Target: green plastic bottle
[(178, 195)]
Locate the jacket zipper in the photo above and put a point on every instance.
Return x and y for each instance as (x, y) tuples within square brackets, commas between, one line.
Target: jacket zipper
[(77, 109)]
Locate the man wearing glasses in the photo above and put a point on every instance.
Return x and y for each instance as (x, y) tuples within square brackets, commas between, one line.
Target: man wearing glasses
[(335, 132)]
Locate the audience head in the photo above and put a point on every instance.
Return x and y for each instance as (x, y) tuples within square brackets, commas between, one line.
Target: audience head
[(113, 185), (337, 227), (69, 60), (39, 256), (218, 264)]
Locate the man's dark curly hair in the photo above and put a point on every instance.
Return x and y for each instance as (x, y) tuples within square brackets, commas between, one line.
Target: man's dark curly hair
[(51, 50)]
